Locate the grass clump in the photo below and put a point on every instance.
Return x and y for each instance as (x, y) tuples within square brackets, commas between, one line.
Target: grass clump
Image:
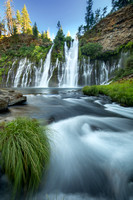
[(91, 90), (120, 91), (25, 153)]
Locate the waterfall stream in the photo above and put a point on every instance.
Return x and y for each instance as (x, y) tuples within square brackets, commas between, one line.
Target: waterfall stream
[(69, 73), (47, 72), (70, 76)]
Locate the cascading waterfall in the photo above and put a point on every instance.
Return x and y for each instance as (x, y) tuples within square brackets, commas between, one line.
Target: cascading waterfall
[(20, 72), (27, 73), (70, 73), (70, 76), (47, 72)]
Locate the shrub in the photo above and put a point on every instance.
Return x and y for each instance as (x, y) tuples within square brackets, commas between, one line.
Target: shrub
[(24, 153), (129, 63), (91, 49)]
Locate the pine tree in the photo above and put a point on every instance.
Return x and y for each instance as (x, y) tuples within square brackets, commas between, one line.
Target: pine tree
[(59, 25), (97, 16), (9, 18), (117, 4), (35, 30), (26, 21), (1, 28), (89, 16), (18, 22), (60, 38)]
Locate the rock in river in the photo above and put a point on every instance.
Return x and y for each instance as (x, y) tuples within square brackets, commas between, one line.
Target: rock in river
[(10, 97)]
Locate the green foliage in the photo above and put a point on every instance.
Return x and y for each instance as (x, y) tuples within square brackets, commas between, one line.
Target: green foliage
[(89, 16), (91, 90), (91, 49), (129, 63), (120, 73), (117, 4), (129, 45), (58, 25), (35, 30), (25, 153), (83, 47), (121, 92), (68, 40), (58, 49), (34, 53)]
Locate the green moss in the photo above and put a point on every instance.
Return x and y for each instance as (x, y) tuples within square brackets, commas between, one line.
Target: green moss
[(121, 91)]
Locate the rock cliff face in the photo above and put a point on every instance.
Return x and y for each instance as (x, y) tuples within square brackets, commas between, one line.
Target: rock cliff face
[(114, 30)]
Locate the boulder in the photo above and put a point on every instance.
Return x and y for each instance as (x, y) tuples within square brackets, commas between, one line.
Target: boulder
[(3, 103), (9, 98)]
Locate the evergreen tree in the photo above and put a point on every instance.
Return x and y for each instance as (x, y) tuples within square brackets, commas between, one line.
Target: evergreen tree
[(35, 30), (58, 25), (43, 35), (26, 21), (117, 4), (80, 30), (1, 28), (97, 16), (14, 26), (89, 16), (60, 38), (104, 11), (9, 18), (18, 22)]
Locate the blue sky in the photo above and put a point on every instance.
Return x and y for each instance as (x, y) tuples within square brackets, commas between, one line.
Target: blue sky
[(46, 13)]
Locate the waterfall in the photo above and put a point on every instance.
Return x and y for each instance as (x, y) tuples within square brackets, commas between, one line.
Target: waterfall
[(20, 72), (69, 73), (70, 76), (104, 73), (47, 72)]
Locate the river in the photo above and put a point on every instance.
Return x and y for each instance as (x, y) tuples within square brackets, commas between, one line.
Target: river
[(91, 145)]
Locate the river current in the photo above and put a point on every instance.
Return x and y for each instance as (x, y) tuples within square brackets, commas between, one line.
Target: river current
[(91, 142)]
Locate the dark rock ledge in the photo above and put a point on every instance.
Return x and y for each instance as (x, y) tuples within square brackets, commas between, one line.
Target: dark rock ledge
[(9, 97)]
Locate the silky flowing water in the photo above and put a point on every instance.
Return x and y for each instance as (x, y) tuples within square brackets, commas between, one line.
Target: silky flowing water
[(91, 145)]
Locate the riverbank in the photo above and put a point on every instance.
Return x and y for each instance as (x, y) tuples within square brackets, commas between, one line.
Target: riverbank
[(120, 91)]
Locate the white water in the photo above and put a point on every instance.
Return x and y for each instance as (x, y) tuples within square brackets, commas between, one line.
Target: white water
[(46, 70), (70, 75), (91, 148), (90, 155), (20, 71)]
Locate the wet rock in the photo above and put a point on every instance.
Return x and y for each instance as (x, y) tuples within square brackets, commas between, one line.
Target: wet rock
[(3, 104), (16, 98), (10, 97)]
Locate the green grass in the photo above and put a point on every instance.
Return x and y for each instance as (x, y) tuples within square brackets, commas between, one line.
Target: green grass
[(25, 153), (120, 91)]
